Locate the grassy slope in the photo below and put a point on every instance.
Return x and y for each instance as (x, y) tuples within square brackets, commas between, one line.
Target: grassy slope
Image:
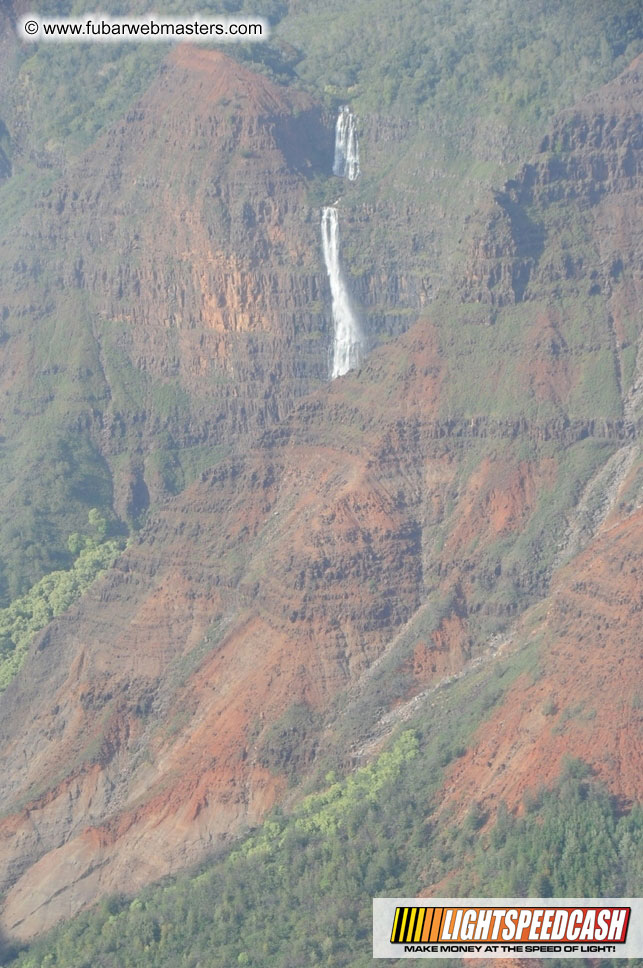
[(298, 890)]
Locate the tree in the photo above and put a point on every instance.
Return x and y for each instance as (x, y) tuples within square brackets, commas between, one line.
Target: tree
[(98, 523)]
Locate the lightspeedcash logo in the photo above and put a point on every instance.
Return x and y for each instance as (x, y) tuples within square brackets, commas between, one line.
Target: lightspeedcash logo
[(507, 928)]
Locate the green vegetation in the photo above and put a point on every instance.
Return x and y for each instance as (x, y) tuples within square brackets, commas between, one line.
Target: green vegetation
[(417, 56), (290, 743), (442, 55), (299, 891), (51, 467), (112, 76), (54, 594), (572, 841)]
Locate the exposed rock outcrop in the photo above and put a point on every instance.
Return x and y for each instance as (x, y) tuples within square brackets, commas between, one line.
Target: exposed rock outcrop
[(408, 512)]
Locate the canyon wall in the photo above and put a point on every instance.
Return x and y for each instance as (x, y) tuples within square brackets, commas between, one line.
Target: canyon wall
[(402, 518)]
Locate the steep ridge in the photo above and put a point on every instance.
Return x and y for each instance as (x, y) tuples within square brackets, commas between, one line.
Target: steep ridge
[(166, 295), (424, 496), (585, 700), (591, 158)]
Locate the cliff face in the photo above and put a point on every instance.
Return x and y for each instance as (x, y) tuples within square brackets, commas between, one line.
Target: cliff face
[(588, 166), (584, 700), (166, 296), (168, 292), (374, 541), (202, 267)]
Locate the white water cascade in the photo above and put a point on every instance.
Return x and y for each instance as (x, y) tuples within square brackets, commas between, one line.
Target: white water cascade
[(346, 163), (348, 342)]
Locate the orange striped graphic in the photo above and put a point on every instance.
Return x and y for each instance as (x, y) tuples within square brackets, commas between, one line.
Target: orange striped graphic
[(568, 925)]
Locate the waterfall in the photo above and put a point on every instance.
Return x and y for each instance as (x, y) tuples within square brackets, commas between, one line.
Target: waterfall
[(346, 163), (348, 341)]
